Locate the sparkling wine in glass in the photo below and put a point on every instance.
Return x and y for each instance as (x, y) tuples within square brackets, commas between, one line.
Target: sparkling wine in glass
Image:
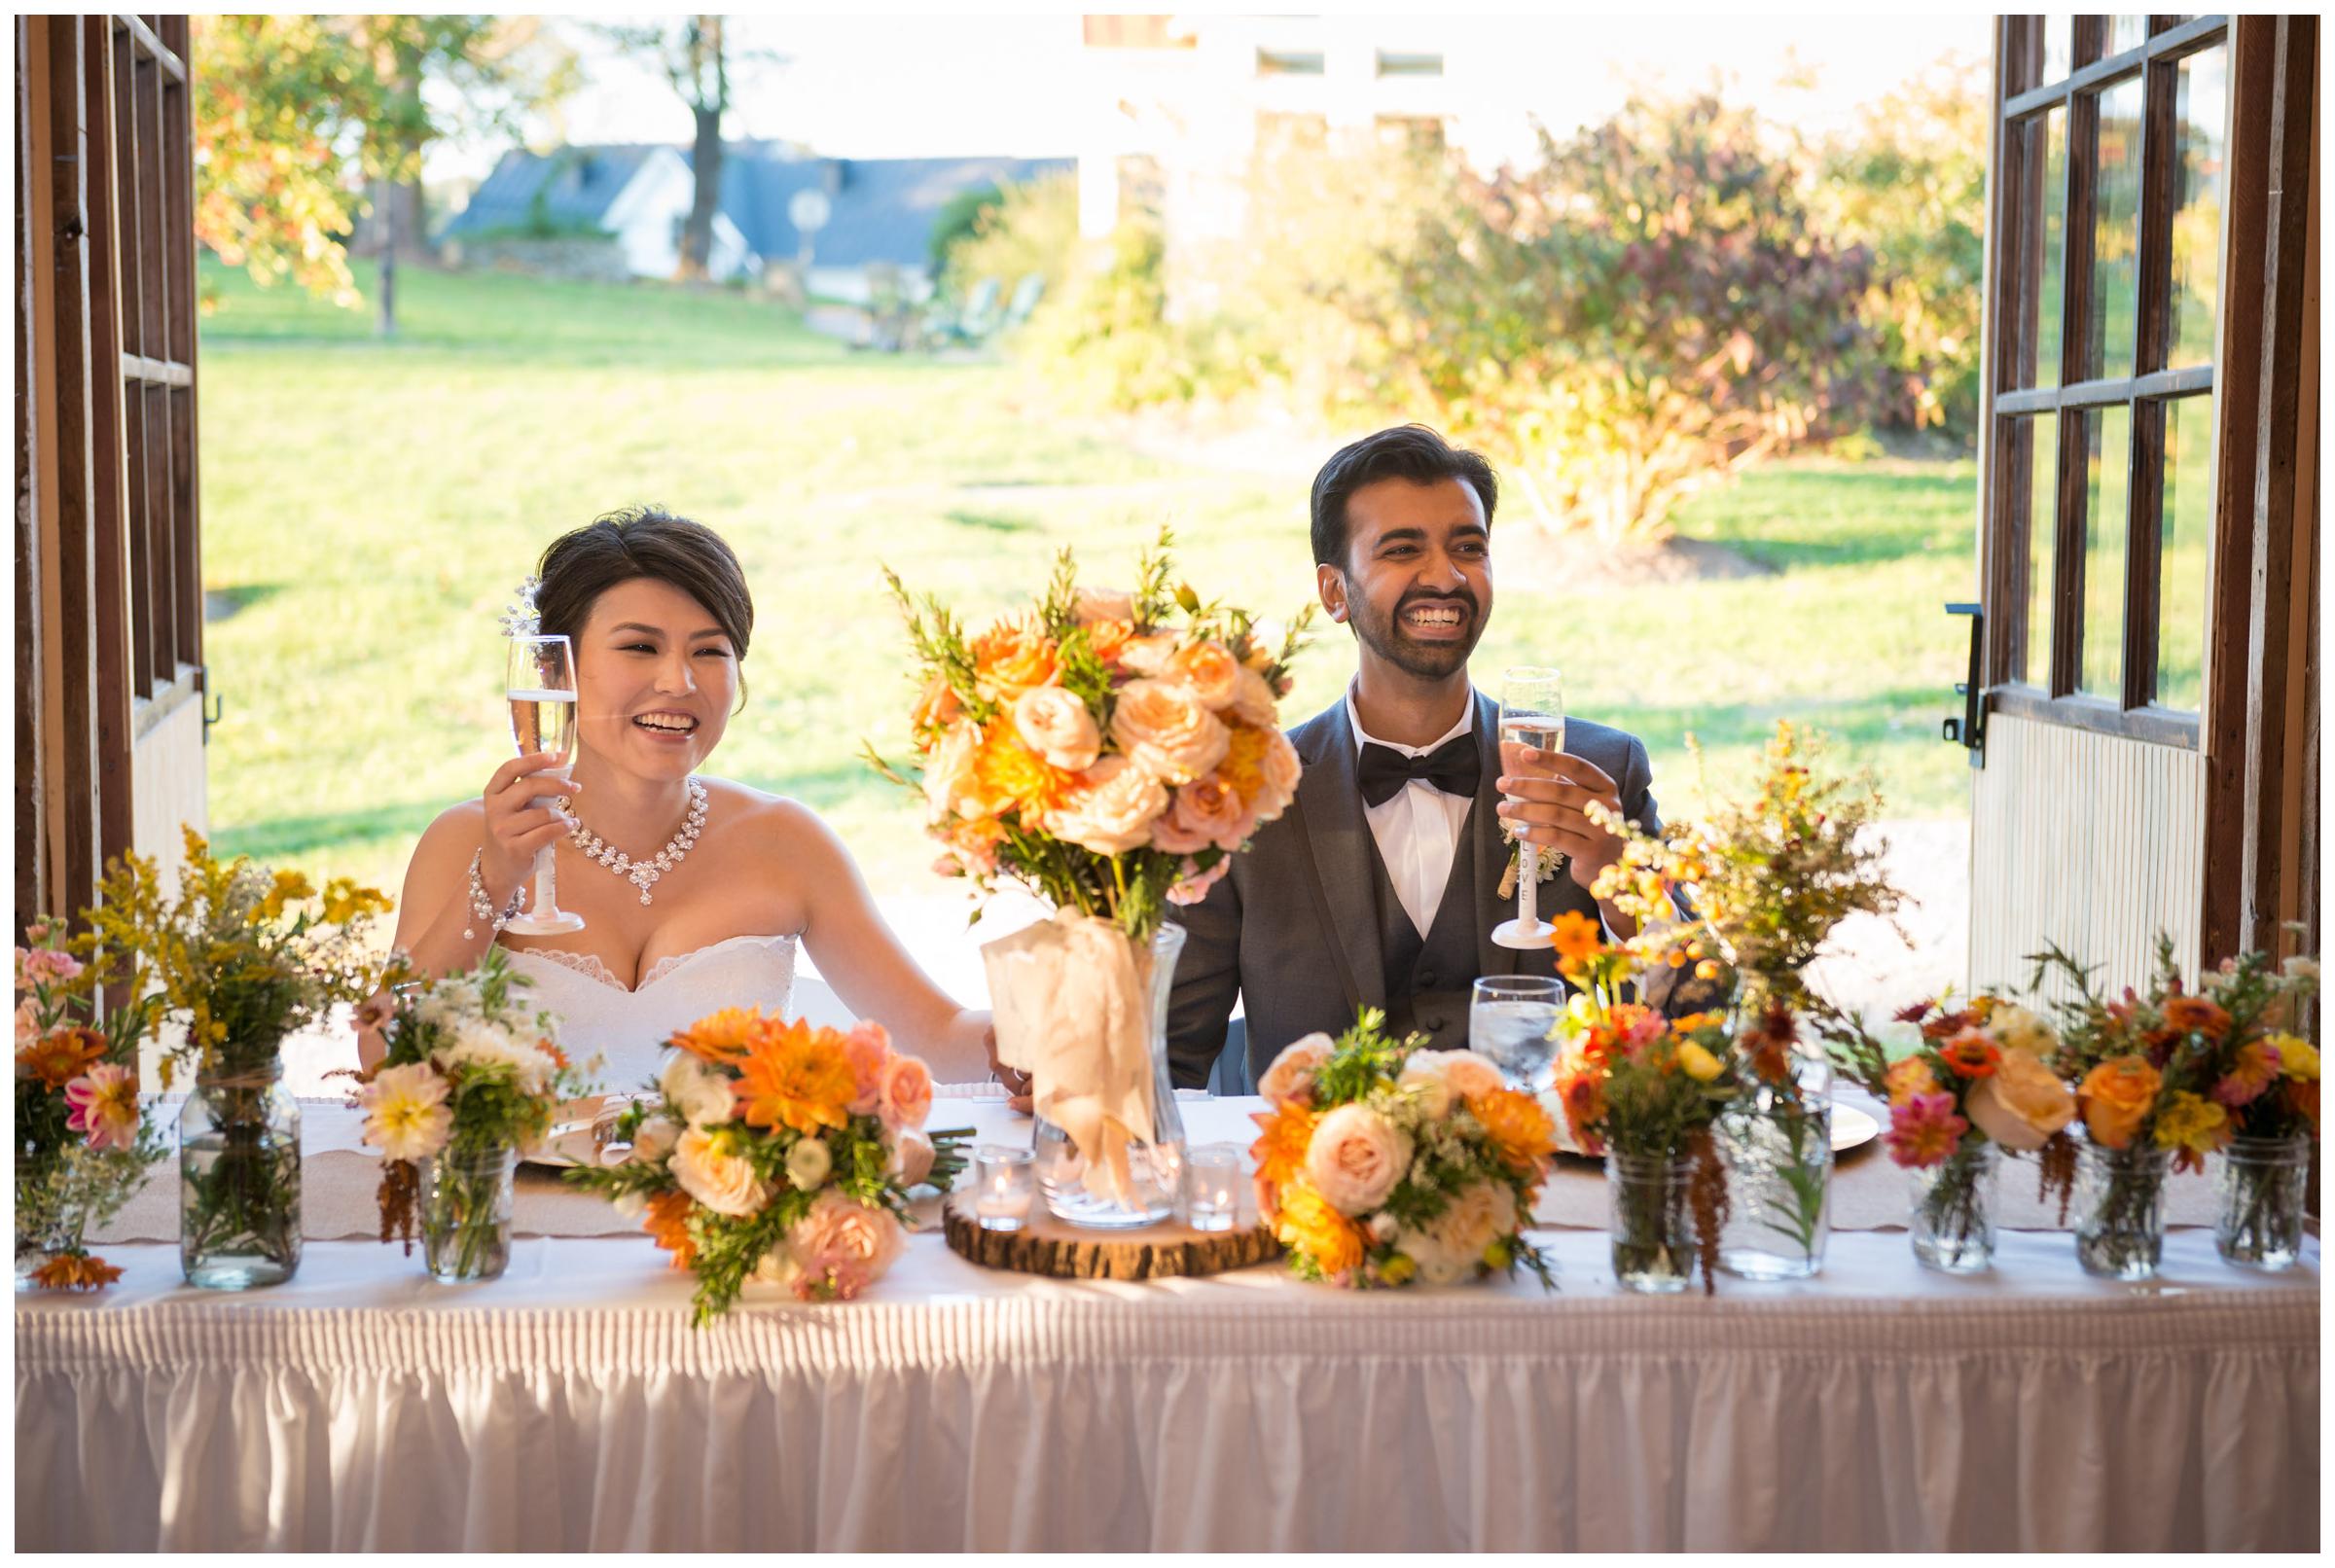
[(1531, 718), (542, 688)]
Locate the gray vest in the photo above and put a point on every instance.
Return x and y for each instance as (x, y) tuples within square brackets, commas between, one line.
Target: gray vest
[(1429, 978)]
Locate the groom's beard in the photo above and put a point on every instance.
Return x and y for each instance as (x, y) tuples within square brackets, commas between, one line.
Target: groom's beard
[(1386, 637)]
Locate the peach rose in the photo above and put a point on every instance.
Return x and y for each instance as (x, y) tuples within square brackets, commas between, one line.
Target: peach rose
[(912, 1157), (869, 1051), (1253, 701), (2117, 1095), (1356, 1158), (1092, 606), (1467, 1073), (1055, 725), (952, 774), (1289, 1081), (842, 1247), (938, 706), (1110, 807), (907, 1095), (724, 1183), (2022, 1105), (1209, 669), (1279, 768), (1192, 884), (1205, 811), (1149, 656), (1012, 656), (1167, 730)]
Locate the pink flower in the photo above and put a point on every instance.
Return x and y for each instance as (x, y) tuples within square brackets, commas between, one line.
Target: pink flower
[(35, 965), (1110, 809), (842, 1246), (105, 1106), (1192, 884), (1924, 1130), (1207, 811), (2255, 1070), (1356, 1158), (869, 1050), (912, 1157), (904, 1099), (1289, 1081)]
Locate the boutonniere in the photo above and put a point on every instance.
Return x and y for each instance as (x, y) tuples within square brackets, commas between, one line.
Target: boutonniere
[(1552, 860)]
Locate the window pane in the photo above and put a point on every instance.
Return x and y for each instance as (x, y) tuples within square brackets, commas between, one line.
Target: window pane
[(2181, 567), (2044, 139), (2033, 455), (2106, 484), (2059, 48), (2115, 234), (2127, 32), (2198, 107)]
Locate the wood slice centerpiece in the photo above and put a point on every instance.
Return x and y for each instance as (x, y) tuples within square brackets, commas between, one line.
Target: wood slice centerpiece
[(1063, 1251)]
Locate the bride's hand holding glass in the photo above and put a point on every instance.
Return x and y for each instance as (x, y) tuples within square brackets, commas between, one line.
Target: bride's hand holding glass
[(519, 825)]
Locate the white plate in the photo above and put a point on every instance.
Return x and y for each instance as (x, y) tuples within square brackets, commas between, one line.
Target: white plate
[(1852, 1128)]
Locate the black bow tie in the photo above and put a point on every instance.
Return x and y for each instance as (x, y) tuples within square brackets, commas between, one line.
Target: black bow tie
[(1453, 767)]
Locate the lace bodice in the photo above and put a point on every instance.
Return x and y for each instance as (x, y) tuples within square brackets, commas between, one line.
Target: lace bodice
[(628, 1028)]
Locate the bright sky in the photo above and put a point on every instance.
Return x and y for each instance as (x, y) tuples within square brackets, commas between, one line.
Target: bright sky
[(878, 86)]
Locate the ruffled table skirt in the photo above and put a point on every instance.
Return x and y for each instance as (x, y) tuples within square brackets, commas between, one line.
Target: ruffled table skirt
[(570, 1406)]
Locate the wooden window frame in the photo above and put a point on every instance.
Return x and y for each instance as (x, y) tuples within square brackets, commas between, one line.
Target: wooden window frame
[(2016, 685)]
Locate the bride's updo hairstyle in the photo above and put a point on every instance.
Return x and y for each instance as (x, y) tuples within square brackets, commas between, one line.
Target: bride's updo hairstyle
[(644, 541)]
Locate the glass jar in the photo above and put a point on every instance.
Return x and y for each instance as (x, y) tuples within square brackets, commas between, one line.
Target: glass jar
[(238, 1169), (465, 1204), (35, 1248), (1953, 1220), (2261, 1190), (2120, 1209), (1652, 1222), (1148, 1187), (1777, 1141)]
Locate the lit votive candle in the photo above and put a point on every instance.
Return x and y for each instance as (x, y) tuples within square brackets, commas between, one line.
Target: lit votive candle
[(1215, 1186), (1004, 1182)]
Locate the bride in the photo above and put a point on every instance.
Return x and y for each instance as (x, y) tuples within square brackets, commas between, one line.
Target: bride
[(694, 891)]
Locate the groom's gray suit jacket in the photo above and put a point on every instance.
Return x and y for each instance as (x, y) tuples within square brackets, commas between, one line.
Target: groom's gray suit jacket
[(1300, 928)]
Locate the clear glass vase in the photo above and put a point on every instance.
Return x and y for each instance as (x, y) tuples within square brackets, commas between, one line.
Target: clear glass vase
[(36, 1246), (1953, 1222), (2120, 1209), (465, 1209), (2258, 1212), (1652, 1222), (1776, 1142), (1099, 1194), (238, 1169)]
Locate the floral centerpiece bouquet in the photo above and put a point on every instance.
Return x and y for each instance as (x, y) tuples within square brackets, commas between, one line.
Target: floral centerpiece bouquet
[(2168, 1077), (81, 1148), (240, 959), (1110, 752), (1381, 1162), (1731, 911), (471, 1078), (1644, 1091), (778, 1150), (1980, 1080)]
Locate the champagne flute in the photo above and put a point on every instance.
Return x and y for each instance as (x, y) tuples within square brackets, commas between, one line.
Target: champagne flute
[(1531, 716), (542, 688)]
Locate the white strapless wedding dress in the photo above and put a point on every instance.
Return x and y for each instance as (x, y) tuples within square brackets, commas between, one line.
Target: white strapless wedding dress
[(627, 1029)]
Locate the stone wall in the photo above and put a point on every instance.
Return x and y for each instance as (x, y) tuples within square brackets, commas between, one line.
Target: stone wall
[(593, 260)]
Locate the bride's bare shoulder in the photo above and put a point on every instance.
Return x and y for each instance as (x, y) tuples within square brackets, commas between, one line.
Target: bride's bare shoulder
[(765, 821)]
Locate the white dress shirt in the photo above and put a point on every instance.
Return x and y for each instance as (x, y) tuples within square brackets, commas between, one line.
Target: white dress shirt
[(1417, 827)]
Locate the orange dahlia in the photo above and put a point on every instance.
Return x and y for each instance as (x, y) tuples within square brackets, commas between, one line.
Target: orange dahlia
[(61, 1055), (1519, 1127), (1011, 773), (1308, 1225), (797, 1076), (75, 1271), (667, 1225), (723, 1038)]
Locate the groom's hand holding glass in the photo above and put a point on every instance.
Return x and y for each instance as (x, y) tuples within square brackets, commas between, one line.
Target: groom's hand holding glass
[(1546, 798)]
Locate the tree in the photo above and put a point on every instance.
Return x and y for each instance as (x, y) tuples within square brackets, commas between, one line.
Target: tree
[(1652, 308), (296, 116), (695, 56)]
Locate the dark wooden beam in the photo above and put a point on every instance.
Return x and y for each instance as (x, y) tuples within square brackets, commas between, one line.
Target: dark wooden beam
[(32, 757)]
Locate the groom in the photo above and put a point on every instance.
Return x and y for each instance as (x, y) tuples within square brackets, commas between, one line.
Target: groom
[(1380, 887)]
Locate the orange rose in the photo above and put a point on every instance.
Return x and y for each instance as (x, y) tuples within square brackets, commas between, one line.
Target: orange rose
[(1012, 656), (1168, 731), (2117, 1096), (1209, 669)]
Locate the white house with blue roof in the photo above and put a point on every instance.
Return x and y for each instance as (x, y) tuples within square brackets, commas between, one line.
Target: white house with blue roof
[(880, 211)]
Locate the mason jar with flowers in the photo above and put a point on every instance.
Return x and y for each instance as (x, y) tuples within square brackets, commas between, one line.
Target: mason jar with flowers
[(240, 957), (1109, 751)]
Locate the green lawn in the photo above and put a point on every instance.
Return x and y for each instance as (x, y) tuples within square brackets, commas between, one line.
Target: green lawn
[(368, 507)]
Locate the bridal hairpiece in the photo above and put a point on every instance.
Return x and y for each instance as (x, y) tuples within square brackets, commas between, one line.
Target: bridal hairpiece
[(519, 617)]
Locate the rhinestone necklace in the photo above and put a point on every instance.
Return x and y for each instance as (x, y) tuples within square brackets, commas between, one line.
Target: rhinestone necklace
[(643, 874)]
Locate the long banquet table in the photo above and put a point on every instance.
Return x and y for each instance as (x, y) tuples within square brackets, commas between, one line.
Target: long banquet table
[(569, 1406)]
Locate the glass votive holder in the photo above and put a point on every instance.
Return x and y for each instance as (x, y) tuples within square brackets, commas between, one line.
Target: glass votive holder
[(1213, 1172), (1004, 1184)]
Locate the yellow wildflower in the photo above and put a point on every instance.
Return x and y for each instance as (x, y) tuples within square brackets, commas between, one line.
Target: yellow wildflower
[(2297, 1057), (2194, 1125), (1697, 1063)]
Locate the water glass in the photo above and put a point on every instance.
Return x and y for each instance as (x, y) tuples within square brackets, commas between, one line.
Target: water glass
[(1510, 1019)]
